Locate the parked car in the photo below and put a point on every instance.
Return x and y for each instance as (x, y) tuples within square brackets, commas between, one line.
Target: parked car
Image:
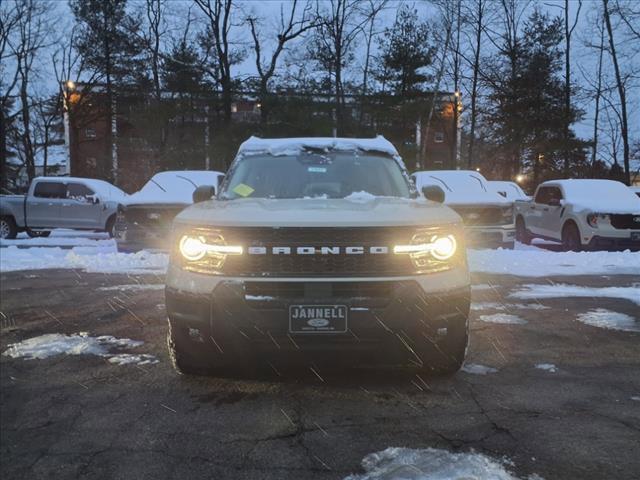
[(60, 202), (487, 215), (317, 249), (509, 190), (582, 214), (144, 219)]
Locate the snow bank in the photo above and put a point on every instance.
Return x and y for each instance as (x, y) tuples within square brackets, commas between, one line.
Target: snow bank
[(562, 290), (535, 262), (503, 318), (507, 306), (293, 146), (54, 344), (173, 187), (431, 464), (603, 318), (548, 367), (90, 259), (476, 369), (134, 287)]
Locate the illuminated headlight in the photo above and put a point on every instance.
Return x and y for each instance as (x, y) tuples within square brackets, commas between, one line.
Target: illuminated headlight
[(425, 248), (205, 252)]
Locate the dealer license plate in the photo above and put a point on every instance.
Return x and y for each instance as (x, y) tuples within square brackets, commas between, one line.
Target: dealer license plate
[(318, 318)]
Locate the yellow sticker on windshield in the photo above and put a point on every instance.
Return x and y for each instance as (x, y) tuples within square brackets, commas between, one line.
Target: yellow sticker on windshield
[(243, 190)]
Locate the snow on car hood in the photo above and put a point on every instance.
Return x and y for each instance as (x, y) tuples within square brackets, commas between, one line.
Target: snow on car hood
[(358, 211), (292, 146), (461, 187), (600, 196), (173, 187)]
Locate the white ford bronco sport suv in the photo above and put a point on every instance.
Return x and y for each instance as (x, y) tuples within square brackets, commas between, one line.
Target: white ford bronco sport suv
[(317, 249)]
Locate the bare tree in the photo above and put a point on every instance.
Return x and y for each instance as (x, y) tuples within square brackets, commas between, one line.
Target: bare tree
[(624, 127), (478, 26), (569, 27), (291, 26), (155, 30), (218, 16)]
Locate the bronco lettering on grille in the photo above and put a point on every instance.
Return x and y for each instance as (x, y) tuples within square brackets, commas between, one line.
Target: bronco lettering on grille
[(353, 250)]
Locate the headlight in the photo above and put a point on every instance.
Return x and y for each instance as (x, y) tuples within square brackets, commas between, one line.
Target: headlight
[(430, 251), (507, 214), (593, 219), (205, 251)]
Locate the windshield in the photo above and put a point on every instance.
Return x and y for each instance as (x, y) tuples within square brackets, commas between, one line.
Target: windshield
[(312, 174)]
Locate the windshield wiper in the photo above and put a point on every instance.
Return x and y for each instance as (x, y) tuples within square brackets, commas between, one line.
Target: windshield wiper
[(188, 180), (159, 186)]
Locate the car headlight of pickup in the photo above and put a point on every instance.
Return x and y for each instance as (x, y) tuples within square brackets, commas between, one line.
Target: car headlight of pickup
[(507, 215), (429, 251), (205, 251)]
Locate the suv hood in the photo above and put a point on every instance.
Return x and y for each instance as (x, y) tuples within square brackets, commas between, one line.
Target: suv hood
[(373, 212)]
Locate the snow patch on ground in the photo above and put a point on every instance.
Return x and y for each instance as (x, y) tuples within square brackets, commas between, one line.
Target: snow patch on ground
[(90, 259), (562, 290), (53, 344), (133, 287), (549, 367), (507, 306), (503, 318), (481, 287), (603, 318), (535, 262), (431, 464), (477, 369)]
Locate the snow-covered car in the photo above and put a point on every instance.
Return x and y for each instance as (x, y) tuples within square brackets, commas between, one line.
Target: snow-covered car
[(635, 190), (582, 214), (144, 219), (487, 215), (317, 249), (509, 190), (60, 202)]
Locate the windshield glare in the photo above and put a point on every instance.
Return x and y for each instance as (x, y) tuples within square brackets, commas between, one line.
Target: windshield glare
[(316, 174)]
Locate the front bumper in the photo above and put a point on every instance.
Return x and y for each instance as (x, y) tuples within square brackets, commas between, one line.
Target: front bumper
[(598, 242), (221, 312), (133, 238), (490, 236)]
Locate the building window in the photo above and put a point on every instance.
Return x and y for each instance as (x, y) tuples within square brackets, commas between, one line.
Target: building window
[(90, 132), (438, 137)]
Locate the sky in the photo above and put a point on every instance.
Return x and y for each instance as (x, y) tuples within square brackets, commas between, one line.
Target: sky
[(584, 60)]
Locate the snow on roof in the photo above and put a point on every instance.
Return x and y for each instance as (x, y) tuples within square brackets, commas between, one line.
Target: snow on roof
[(291, 146), (603, 196), (105, 190), (511, 189), (461, 187), (173, 187)]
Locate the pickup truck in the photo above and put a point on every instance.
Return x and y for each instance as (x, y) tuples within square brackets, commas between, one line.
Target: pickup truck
[(60, 202), (582, 214), (317, 249)]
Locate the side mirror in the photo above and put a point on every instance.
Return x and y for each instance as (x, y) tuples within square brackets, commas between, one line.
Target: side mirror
[(554, 202), (219, 184), (433, 193), (203, 193), (93, 198)]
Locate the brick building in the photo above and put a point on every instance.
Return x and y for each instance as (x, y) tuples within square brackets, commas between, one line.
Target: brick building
[(181, 132)]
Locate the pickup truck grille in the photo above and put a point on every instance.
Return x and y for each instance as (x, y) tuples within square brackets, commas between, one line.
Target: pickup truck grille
[(315, 265), (483, 216), (625, 221)]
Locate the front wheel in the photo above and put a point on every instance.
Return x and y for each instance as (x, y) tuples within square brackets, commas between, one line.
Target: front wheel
[(8, 228), (110, 226), (571, 238), (444, 356)]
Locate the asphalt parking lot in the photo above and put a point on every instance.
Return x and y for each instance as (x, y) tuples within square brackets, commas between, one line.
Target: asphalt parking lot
[(81, 416)]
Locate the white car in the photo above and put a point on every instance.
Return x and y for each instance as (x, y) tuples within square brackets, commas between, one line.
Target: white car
[(509, 190), (487, 215), (636, 190), (581, 214)]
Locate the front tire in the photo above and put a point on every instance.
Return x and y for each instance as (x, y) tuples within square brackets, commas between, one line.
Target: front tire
[(110, 226), (185, 359), (571, 238), (8, 228)]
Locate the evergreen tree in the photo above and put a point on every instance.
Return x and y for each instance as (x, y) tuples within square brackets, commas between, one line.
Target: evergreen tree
[(181, 72), (108, 46), (406, 53)]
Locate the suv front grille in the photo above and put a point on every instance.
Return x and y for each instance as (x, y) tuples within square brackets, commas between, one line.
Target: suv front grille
[(625, 221), (483, 216), (342, 264)]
